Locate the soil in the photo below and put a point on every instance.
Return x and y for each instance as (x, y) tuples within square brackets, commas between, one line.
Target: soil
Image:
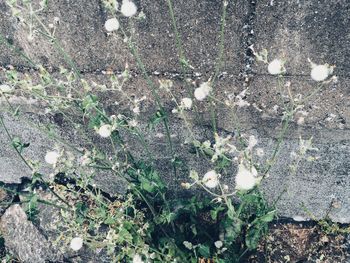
[(303, 243)]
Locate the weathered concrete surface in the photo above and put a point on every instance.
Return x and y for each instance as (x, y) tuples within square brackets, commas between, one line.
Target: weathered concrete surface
[(81, 33), (13, 169), (297, 30), (24, 240), (293, 30)]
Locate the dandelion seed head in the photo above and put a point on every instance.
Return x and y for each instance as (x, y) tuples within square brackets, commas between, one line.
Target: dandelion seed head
[(112, 24), (202, 91), (105, 131), (320, 72), (186, 103), (246, 178), (211, 179), (52, 157), (276, 67), (76, 243), (128, 8)]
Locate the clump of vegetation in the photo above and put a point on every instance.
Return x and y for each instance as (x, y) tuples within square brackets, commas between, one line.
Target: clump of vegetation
[(151, 222)]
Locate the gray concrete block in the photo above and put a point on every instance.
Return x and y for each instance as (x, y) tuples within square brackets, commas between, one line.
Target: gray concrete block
[(297, 30), (82, 35), (24, 240)]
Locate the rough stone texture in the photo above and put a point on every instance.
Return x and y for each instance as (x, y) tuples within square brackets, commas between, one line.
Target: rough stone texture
[(293, 30), (297, 30), (40, 144), (81, 33), (24, 240)]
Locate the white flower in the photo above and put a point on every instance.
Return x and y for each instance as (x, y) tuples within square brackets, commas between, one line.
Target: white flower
[(211, 179), (6, 88), (218, 244), (136, 110), (203, 91), (321, 72), (246, 179), (112, 24), (188, 245), (137, 259), (276, 67), (105, 130), (186, 103), (52, 157), (128, 8), (76, 243)]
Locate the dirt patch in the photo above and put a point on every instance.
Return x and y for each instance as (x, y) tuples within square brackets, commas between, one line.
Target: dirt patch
[(291, 242)]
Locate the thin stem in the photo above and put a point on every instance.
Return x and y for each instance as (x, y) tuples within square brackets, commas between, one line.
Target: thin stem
[(155, 95), (218, 66), (279, 143)]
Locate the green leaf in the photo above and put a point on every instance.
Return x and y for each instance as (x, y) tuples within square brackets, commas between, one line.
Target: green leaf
[(19, 145), (231, 210), (204, 251), (157, 118), (214, 213), (268, 217), (253, 237)]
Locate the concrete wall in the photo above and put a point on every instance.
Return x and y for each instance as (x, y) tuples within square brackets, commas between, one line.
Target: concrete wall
[(292, 30)]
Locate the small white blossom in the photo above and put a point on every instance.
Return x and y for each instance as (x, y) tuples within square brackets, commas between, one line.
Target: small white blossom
[(246, 179), (203, 91), (137, 259), (186, 103), (136, 110), (5, 88), (112, 24), (188, 245), (105, 130), (52, 157), (133, 123), (211, 179), (76, 243), (218, 244), (276, 67), (128, 8), (321, 72)]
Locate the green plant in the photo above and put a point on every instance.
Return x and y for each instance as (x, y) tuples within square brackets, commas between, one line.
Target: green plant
[(221, 222)]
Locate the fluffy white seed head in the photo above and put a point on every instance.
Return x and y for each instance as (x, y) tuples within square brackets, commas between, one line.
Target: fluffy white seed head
[(218, 244), (105, 131), (202, 91), (186, 103), (52, 157), (320, 72), (76, 243), (112, 24), (246, 178), (211, 179), (128, 8), (276, 67)]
